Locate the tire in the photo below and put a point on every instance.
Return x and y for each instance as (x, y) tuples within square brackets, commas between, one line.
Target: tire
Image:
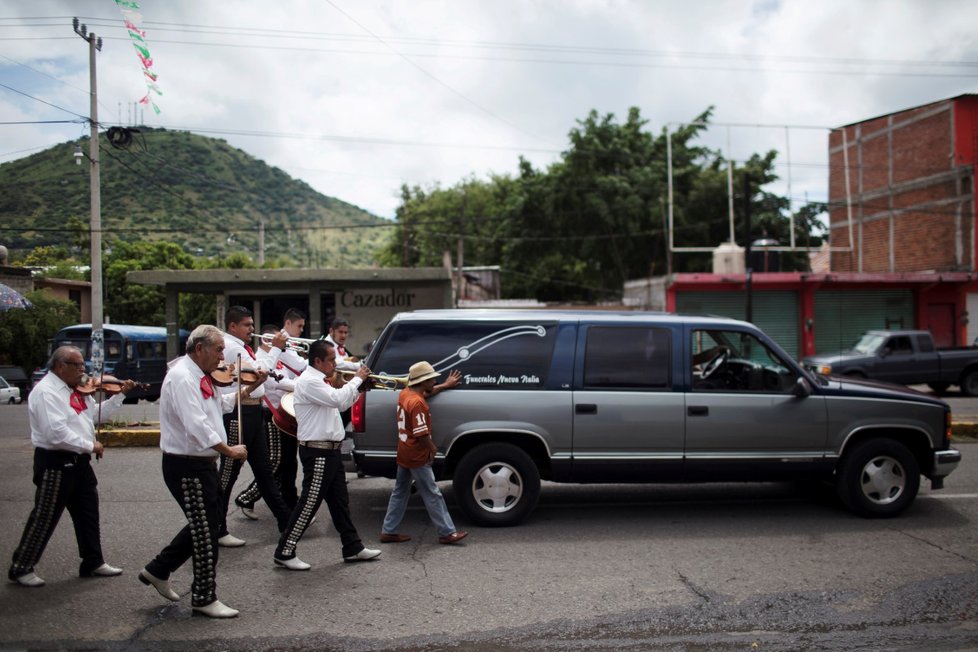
[(939, 388), (878, 478), (11, 400), (497, 484), (969, 383)]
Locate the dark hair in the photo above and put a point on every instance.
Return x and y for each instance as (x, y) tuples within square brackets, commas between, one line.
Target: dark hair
[(339, 321), (235, 314), (270, 328), (319, 350), (293, 314)]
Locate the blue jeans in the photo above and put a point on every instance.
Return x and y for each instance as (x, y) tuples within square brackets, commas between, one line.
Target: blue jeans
[(434, 502)]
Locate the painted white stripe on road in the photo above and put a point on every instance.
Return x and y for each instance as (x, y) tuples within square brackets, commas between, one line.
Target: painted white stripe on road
[(949, 496)]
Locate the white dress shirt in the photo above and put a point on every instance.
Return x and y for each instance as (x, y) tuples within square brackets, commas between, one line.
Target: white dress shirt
[(285, 367), (233, 347), (318, 406), (54, 423), (341, 364), (189, 423)]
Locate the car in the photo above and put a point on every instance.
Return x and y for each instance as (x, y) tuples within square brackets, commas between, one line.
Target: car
[(9, 393), (632, 397)]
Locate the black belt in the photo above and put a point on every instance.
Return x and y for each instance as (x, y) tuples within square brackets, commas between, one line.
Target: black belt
[(193, 458), (327, 445), (64, 455)]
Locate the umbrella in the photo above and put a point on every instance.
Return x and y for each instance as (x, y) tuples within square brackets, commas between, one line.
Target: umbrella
[(11, 298)]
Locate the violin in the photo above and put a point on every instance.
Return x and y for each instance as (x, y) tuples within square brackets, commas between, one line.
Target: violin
[(108, 384), (226, 376)]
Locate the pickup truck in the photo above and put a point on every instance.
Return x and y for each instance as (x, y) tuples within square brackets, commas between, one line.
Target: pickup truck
[(632, 397), (904, 357)]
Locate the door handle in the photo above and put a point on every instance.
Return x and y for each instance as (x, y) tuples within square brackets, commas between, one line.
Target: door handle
[(697, 411), (586, 408)]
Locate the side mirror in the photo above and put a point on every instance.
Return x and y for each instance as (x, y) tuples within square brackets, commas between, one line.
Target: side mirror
[(803, 388)]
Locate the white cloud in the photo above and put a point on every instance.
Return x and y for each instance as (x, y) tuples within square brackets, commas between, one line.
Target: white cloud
[(473, 84)]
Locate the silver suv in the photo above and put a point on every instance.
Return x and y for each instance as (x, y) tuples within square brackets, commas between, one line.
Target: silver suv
[(595, 397)]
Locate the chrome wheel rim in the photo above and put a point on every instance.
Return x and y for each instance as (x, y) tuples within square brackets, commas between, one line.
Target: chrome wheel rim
[(497, 487), (883, 480)]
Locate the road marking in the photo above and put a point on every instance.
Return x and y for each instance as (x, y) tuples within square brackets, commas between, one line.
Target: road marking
[(949, 496)]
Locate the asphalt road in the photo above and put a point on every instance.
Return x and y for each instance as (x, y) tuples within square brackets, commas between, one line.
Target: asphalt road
[(651, 567)]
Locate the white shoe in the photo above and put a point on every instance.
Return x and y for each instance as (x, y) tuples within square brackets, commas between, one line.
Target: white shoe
[(249, 513), (162, 586), (295, 564), (217, 609), (106, 571), (28, 579), (364, 555), (230, 541)]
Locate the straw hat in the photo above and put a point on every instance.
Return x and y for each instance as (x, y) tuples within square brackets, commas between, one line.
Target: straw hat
[(420, 372)]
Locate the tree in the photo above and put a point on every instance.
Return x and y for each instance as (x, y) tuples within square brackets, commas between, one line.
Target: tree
[(131, 303), (579, 229), (24, 333)]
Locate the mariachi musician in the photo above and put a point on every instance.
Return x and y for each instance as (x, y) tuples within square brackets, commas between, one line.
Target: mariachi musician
[(279, 426), (244, 426), (62, 422)]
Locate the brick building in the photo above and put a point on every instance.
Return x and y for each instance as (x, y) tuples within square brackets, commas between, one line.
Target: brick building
[(901, 190)]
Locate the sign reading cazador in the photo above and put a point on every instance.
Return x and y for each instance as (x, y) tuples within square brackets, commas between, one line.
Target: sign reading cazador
[(387, 299)]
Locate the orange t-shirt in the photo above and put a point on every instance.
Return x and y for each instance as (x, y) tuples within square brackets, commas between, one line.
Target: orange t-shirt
[(413, 422)]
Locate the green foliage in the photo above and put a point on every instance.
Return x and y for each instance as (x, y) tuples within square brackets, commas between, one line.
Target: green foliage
[(24, 333), (127, 303), (183, 188), (596, 218)]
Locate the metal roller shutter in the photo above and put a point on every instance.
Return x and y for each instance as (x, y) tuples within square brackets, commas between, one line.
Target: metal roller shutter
[(775, 311), (841, 316)]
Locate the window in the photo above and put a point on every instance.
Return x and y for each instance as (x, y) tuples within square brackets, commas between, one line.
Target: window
[(150, 350), (739, 362), (628, 357), (925, 344), (489, 354), (899, 346)]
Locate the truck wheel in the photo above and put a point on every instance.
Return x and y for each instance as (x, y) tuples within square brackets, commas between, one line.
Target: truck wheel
[(939, 388), (878, 478), (497, 484), (969, 383)]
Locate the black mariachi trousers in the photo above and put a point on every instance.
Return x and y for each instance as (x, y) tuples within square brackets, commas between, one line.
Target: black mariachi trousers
[(194, 484), (64, 480), (282, 449), (251, 434)]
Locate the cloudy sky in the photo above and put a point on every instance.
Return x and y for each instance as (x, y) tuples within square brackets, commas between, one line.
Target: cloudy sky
[(356, 98)]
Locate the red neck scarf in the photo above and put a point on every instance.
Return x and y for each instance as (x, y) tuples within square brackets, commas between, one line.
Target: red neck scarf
[(206, 387), (77, 402)]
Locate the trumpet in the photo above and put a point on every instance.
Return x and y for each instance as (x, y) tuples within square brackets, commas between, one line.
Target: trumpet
[(297, 344), (381, 381)]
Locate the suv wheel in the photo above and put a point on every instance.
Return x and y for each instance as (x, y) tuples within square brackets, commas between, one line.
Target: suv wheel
[(497, 484), (878, 478)]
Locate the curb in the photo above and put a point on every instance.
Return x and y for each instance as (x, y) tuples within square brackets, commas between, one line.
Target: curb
[(964, 431)]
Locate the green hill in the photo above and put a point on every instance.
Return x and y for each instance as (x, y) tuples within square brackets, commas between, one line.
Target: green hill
[(196, 191)]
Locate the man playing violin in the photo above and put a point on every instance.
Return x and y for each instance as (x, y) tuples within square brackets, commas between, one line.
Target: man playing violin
[(239, 327), (192, 437), (62, 421)]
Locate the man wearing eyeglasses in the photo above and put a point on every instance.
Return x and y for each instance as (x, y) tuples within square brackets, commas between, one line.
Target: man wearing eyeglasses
[(63, 433)]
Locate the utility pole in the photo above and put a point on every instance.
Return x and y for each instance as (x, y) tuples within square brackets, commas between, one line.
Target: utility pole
[(98, 351), (261, 241), (749, 270)]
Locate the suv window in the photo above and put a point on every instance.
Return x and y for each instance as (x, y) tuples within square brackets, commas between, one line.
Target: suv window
[(150, 350), (739, 362), (628, 357), (488, 354)]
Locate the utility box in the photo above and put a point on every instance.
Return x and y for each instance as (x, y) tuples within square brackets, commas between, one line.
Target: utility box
[(728, 258)]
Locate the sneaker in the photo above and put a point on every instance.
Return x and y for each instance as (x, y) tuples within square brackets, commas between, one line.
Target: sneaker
[(364, 555), (230, 541)]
